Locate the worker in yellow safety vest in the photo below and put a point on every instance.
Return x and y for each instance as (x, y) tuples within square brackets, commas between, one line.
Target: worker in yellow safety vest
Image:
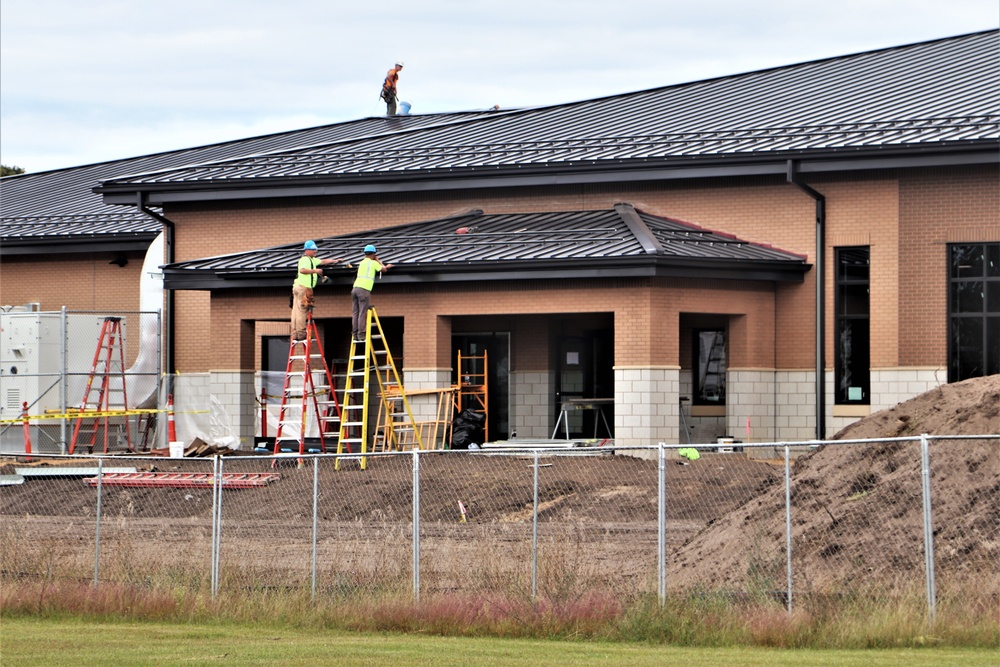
[(361, 295), (310, 273)]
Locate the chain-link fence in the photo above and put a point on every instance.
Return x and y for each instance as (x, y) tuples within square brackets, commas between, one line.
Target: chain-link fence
[(876, 520)]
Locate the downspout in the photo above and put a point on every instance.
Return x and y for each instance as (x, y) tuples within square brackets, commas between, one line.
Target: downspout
[(168, 308), (793, 178)]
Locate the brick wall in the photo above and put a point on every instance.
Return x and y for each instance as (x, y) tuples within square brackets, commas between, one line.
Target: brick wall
[(87, 281), (938, 207)]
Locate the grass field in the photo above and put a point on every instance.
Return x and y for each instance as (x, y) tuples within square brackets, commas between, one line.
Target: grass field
[(44, 642)]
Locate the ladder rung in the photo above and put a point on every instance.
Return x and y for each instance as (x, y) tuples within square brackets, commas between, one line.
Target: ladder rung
[(353, 423)]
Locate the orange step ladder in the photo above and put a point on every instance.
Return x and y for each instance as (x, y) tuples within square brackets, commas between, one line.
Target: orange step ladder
[(110, 408), (304, 394)]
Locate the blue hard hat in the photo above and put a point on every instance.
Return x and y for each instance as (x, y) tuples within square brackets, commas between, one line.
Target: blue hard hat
[(370, 248), (310, 245)]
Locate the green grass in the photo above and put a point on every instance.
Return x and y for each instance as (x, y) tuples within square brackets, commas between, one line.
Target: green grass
[(53, 641)]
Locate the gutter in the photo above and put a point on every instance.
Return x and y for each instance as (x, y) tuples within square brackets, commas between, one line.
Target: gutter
[(168, 309), (793, 178)]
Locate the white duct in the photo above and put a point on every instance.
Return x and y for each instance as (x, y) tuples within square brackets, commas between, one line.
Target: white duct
[(142, 379)]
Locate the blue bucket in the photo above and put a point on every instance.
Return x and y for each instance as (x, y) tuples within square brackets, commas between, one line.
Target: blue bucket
[(404, 108)]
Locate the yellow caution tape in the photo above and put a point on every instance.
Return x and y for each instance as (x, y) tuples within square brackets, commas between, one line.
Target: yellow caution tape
[(93, 414)]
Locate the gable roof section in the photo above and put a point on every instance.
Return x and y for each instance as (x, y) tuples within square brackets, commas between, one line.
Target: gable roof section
[(618, 242), (52, 211), (924, 98)]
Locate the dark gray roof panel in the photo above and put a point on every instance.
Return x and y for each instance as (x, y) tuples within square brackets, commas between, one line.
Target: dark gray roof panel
[(474, 242), (66, 226), (67, 192), (944, 92)]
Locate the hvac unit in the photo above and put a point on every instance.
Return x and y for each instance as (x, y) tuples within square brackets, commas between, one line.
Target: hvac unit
[(31, 370)]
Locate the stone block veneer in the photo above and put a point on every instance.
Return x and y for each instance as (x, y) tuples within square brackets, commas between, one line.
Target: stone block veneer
[(532, 408), (647, 405), (750, 396)]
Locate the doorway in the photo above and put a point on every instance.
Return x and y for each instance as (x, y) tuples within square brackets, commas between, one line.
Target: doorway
[(585, 370), (497, 348)]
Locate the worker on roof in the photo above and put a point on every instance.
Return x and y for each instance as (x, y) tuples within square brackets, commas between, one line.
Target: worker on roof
[(389, 93), (361, 295), (309, 275)]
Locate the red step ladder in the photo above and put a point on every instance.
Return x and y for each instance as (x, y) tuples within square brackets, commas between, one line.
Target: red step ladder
[(305, 394), (110, 406)]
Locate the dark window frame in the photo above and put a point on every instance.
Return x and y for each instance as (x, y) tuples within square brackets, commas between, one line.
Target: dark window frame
[(973, 310), (852, 325), (697, 397)]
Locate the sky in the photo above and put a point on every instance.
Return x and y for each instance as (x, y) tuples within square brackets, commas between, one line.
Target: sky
[(87, 82)]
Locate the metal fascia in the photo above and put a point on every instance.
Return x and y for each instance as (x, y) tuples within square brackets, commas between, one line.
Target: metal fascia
[(160, 194)]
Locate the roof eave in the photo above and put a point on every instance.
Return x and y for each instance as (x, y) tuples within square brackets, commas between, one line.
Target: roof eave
[(635, 267), (76, 245), (519, 175)]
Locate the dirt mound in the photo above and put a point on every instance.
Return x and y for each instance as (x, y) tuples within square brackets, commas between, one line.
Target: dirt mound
[(857, 509)]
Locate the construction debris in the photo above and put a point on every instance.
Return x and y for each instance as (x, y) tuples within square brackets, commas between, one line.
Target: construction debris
[(186, 480)]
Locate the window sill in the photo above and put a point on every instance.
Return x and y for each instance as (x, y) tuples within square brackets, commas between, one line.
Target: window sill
[(708, 411), (852, 410)]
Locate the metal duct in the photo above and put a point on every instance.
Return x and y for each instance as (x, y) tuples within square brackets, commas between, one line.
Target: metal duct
[(142, 379)]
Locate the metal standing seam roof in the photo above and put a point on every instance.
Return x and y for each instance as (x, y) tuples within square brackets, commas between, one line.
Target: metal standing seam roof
[(498, 246), (61, 203), (932, 94)]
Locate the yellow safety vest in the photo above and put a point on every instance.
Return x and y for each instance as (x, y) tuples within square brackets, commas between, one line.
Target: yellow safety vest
[(307, 279), (366, 273)]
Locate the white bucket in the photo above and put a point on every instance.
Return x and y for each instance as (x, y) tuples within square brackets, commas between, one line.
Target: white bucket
[(176, 450)]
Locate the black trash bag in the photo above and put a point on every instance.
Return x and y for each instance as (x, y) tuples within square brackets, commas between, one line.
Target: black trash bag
[(460, 439), (467, 428)]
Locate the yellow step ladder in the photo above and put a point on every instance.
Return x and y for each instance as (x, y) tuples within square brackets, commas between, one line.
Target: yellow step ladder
[(373, 360)]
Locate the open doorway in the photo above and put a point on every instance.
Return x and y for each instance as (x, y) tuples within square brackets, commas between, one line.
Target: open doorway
[(585, 377), (497, 351)]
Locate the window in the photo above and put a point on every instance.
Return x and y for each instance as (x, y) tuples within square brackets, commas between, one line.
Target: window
[(709, 356), (852, 365), (973, 311)]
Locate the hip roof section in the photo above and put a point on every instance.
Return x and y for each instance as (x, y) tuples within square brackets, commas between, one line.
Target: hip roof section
[(616, 242)]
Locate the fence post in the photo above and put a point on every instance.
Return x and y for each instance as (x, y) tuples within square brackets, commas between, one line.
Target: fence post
[(661, 524), (925, 472), (63, 356), (788, 524), (315, 517), (216, 521), (534, 531), (97, 531), (416, 525)]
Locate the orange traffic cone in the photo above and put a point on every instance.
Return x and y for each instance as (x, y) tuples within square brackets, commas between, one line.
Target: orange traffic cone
[(171, 425), (27, 428)]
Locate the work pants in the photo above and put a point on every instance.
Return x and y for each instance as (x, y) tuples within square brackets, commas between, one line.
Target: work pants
[(302, 305), (360, 302)]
